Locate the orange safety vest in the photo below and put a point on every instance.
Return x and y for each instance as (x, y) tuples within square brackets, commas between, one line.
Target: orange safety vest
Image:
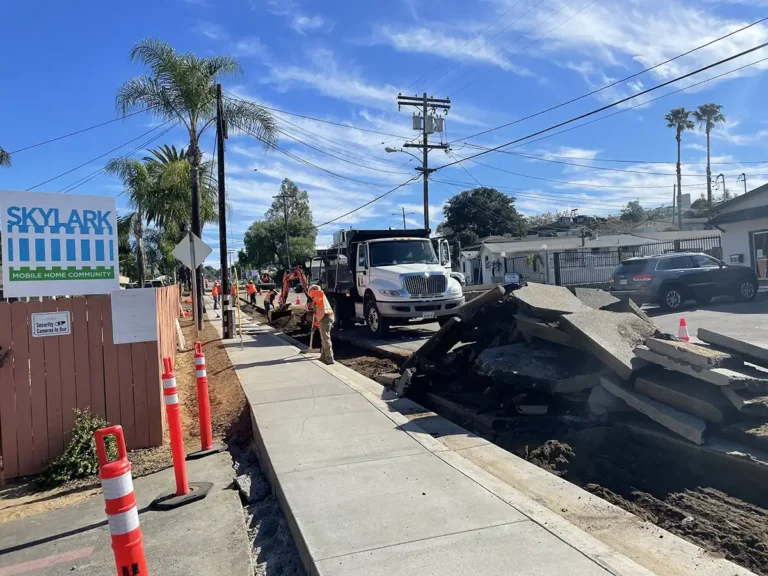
[(251, 289), (322, 307), (233, 290), (216, 290)]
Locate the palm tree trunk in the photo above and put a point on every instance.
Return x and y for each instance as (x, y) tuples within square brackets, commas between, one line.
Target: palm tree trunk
[(709, 174), (138, 232), (194, 158), (679, 187)]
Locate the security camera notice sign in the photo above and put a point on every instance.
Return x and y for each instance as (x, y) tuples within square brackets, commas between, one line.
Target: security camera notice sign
[(51, 324)]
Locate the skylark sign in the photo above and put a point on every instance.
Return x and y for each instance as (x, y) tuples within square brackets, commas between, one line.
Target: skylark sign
[(58, 244)]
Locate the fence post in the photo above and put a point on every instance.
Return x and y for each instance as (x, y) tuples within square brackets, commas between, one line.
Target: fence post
[(557, 269)]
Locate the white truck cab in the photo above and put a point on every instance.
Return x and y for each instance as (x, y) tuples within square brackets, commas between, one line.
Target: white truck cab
[(386, 277)]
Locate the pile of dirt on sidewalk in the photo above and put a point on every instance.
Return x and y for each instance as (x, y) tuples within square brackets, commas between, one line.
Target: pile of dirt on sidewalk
[(229, 416)]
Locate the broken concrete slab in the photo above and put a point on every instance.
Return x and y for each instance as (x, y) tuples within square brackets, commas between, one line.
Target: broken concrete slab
[(387, 379), (594, 297), (439, 344), (609, 336), (554, 367), (754, 434), (694, 354), (628, 305), (754, 403), (749, 377), (547, 302), (685, 393), (601, 403), (689, 427), (750, 352), (533, 327)]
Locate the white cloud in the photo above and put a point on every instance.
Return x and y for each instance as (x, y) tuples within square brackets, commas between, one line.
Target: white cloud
[(210, 30), (302, 24), (251, 46)]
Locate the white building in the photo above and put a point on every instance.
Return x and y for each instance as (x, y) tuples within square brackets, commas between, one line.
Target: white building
[(744, 224), (570, 260)]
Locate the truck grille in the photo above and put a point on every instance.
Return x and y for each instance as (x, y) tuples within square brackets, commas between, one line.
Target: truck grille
[(420, 285)]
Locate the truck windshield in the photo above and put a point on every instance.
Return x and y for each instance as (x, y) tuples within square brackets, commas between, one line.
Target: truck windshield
[(402, 252)]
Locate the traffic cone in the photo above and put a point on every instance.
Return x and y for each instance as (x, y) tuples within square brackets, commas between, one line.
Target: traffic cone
[(185, 492), (682, 332), (298, 300), (203, 409), (120, 501)]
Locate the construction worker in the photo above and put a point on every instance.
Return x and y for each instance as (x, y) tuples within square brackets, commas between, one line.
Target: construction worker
[(251, 292), (216, 294), (323, 320), (269, 304)]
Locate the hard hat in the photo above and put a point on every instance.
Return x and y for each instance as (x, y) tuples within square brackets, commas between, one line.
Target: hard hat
[(314, 288)]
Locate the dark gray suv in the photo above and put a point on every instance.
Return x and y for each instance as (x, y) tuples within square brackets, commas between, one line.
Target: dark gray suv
[(671, 279)]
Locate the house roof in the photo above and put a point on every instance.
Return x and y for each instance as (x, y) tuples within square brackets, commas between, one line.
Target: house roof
[(735, 202), (470, 253)]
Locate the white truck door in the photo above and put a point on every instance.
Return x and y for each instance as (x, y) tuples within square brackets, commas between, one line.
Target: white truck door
[(362, 274), (444, 253)]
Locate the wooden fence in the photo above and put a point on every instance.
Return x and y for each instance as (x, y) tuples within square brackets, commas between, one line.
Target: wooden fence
[(43, 380)]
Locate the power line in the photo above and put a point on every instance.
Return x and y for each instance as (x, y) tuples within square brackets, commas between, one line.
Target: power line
[(76, 132), (612, 84), (84, 180), (547, 155), (97, 157), (613, 104)]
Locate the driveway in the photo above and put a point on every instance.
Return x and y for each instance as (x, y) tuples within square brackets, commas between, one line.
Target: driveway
[(746, 321)]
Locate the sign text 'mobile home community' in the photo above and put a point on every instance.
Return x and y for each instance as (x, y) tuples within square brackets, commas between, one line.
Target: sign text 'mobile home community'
[(56, 244)]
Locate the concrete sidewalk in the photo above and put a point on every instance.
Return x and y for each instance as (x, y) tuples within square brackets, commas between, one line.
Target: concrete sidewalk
[(205, 537), (368, 489)]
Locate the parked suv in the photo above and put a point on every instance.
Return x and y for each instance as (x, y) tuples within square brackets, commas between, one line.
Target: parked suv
[(671, 279)]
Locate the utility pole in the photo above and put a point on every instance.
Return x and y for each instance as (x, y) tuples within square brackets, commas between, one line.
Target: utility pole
[(743, 177), (404, 215), (428, 125), (221, 134), (287, 236)]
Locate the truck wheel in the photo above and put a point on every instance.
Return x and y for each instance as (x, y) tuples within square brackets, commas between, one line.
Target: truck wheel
[(378, 326)]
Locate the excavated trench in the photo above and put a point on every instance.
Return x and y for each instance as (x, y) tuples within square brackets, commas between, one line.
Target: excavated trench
[(714, 500)]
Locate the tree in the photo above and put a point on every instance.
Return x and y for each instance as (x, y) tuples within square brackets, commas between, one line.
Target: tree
[(709, 116), (480, 212), (679, 119), (265, 239), (633, 212), (5, 157), (181, 88), (699, 204), (545, 219)]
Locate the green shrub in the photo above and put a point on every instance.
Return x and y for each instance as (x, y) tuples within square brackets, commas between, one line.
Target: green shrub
[(79, 459)]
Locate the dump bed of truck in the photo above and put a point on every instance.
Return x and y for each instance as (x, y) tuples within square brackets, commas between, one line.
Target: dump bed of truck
[(365, 235)]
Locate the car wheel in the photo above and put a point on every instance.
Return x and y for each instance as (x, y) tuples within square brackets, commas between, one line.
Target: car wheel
[(671, 298), (377, 325), (747, 290)]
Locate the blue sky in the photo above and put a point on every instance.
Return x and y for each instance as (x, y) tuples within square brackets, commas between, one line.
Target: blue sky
[(345, 62)]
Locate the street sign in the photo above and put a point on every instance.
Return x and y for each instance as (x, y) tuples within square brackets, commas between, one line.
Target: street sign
[(50, 324), (184, 251)]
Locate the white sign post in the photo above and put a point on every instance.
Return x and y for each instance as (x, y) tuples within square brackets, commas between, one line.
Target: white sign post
[(192, 251), (51, 324), (58, 244)]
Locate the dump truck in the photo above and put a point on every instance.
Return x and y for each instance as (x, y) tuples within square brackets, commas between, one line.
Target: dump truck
[(386, 277)]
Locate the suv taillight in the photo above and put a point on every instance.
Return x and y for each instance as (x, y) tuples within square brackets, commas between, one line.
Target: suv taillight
[(610, 279), (642, 277)]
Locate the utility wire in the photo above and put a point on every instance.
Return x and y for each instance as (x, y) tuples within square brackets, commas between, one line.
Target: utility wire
[(548, 156), (612, 84), (97, 157), (13, 152), (613, 104), (84, 180)]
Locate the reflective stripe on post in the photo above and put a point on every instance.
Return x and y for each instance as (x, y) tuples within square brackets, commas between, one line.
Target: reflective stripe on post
[(120, 505)]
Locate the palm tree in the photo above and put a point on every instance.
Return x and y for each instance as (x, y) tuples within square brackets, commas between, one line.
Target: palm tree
[(679, 119), (181, 88), (709, 116), (5, 157), (138, 186)]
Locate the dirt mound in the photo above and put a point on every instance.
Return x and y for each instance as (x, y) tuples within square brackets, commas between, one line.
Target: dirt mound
[(553, 456)]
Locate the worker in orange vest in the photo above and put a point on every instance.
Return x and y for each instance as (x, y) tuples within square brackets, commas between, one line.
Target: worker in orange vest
[(251, 292), (216, 294), (323, 320)]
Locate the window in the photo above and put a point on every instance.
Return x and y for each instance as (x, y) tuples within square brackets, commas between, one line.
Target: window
[(402, 252), (677, 263), (362, 256), (705, 261)]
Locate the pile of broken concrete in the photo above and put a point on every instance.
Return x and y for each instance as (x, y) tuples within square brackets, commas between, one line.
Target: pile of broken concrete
[(583, 354)]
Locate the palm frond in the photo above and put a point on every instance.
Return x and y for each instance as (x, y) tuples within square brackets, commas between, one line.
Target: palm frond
[(152, 52), (251, 118), (5, 158), (709, 116)]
